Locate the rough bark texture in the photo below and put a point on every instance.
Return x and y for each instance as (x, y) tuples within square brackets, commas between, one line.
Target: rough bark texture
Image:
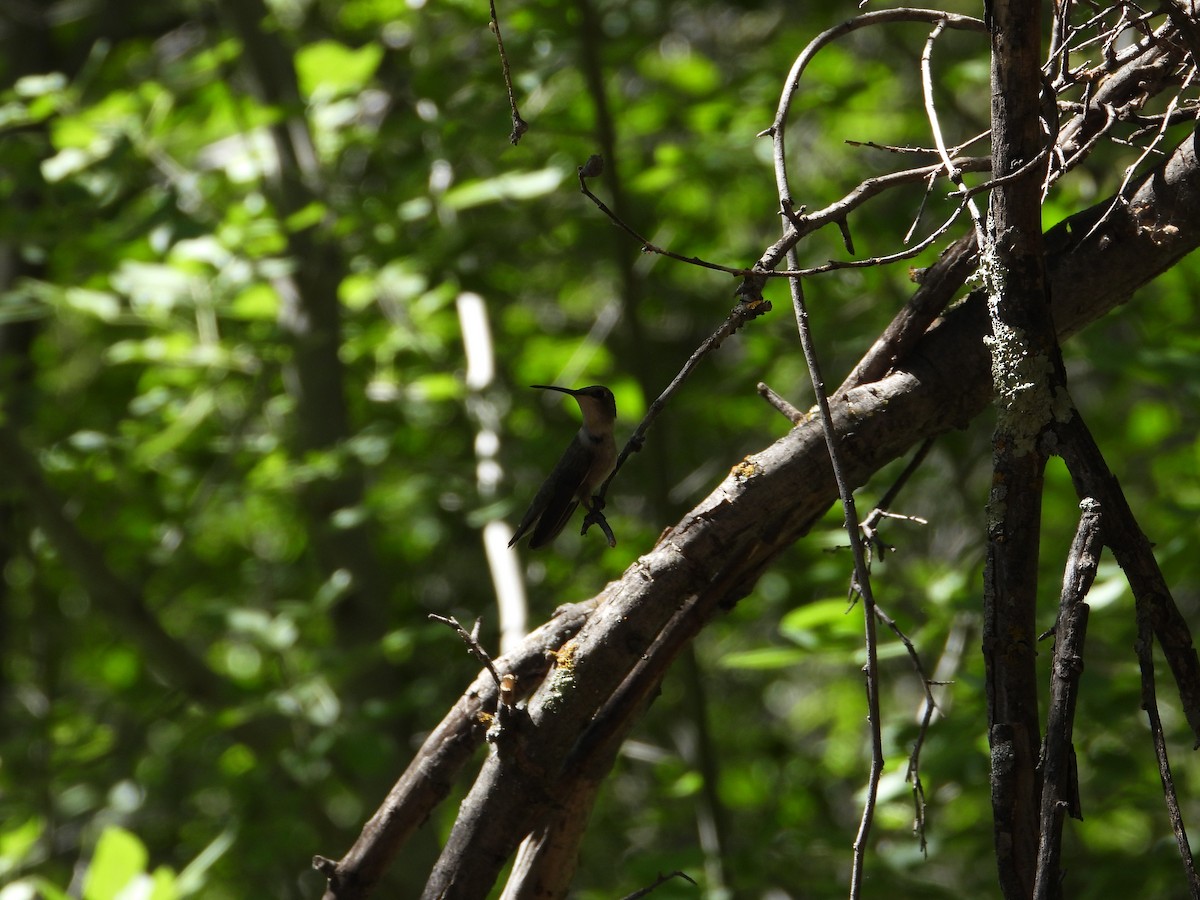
[(1027, 376), (448, 748), (1060, 782)]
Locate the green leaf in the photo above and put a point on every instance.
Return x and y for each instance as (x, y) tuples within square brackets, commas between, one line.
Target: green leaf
[(331, 67), (258, 301), (833, 615), (154, 289), (163, 885), (764, 658), (98, 304), (306, 217), (118, 859), (509, 186), (17, 841)]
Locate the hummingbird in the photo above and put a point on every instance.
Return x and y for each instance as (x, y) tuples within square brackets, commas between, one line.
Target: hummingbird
[(580, 470)]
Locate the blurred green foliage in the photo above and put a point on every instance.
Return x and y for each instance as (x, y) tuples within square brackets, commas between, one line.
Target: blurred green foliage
[(145, 366)]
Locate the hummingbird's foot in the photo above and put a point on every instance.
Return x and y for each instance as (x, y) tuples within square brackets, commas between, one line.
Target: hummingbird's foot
[(595, 516)]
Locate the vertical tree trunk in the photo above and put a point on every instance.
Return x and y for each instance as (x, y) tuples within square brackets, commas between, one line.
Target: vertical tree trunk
[(1025, 372)]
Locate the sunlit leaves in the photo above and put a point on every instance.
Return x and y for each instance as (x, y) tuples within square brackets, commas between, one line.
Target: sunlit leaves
[(329, 68)]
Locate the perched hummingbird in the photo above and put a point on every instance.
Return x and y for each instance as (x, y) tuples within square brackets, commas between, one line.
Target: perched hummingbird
[(580, 471)]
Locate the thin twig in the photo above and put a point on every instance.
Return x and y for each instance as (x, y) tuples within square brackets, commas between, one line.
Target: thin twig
[(890, 495), (862, 581), (928, 151), (471, 639), (861, 573), (520, 126), (834, 265), (1132, 168), (648, 247), (913, 773), (883, 507), (807, 223), (1058, 57), (953, 172), (1144, 645), (658, 882), (738, 316), (929, 183), (1110, 119), (861, 577), (792, 414), (777, 129)]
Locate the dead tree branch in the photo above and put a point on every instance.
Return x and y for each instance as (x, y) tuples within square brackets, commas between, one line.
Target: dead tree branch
[(432, 772), (715, 554), (925, 376), (1060, 782)]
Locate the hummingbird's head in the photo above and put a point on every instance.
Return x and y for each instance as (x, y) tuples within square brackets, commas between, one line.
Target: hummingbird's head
[(596, 402)]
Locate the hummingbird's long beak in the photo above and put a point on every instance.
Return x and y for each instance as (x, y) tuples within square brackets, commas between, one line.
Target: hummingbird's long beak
[(595, 402)]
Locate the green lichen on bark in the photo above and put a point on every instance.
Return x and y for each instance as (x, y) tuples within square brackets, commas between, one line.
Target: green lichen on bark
[(1022, 371)]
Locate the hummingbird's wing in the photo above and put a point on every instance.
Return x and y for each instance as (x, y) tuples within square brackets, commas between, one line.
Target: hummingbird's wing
[(555, 499), (549, 525)]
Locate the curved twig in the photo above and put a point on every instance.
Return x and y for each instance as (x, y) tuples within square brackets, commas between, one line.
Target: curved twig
[(791, 86), (952, 171), (803, 225)]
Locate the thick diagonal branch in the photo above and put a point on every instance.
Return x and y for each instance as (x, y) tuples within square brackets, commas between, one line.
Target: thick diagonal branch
[(429, 777)]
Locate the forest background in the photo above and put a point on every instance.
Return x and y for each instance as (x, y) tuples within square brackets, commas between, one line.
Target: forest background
[(243, 456)]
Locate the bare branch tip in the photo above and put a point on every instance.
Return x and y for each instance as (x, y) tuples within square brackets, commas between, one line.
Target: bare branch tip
[(326, 867), (520, 126), (790, 412)]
